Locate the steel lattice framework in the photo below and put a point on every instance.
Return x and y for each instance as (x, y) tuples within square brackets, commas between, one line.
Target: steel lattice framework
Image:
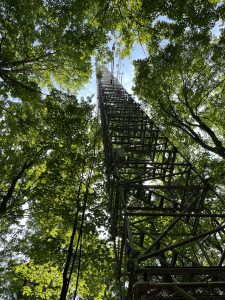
[(167, 223)]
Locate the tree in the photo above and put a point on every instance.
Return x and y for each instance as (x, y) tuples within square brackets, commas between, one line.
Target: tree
[(47, 136), (184, 83), (46, 196), (152, 22), (43, 152), (38, 216), (48, 42)]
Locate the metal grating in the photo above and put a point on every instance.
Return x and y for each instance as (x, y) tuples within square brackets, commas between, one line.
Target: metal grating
[(167, 224)]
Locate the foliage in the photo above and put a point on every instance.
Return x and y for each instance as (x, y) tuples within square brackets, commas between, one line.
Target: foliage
[(47, 136), (48, 42), (46, 144), (52, 135), (153, 22), (184, 82)]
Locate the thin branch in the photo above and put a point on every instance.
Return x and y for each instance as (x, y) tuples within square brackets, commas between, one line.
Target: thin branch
[(213, 88), (8, 65), (15, 82), (8, 196)]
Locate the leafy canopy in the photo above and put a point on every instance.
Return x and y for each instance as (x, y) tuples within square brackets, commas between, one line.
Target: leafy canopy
[(47, 135)]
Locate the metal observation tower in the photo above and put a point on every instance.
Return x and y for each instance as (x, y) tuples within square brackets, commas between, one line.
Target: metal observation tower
[(167, 223)]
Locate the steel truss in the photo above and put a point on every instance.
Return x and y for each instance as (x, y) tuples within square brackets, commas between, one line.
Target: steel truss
[(167, 224)]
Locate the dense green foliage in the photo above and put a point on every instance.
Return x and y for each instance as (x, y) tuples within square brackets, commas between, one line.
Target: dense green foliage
[(47, 136), (44, 42), (43, 155), (183, 81), (46, 144)]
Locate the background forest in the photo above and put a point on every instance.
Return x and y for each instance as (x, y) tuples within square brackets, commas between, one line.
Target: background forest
[(53, 205)]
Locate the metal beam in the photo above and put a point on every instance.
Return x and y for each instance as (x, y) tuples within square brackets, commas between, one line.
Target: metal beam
[(156, 199)]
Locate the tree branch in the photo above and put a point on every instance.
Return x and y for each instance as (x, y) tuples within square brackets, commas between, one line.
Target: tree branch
[(9, 65), (6, 198), (220, 150)]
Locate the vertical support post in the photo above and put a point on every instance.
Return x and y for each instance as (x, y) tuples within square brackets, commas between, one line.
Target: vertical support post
[(160, 207)]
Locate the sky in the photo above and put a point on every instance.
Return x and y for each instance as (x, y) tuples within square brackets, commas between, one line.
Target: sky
[(125, 68)]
